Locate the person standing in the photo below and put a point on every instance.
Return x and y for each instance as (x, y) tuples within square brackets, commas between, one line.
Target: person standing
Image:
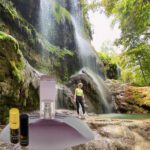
[(79, 99)]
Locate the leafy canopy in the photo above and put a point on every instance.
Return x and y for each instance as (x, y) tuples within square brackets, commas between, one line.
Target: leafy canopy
[(134, 19)]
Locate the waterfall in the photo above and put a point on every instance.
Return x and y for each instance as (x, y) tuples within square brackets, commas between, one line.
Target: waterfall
[(45, 17), (102, 90), (87, 54)]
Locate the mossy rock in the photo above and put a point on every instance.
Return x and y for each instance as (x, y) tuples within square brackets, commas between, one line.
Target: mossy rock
[(11, 73), (40, 53), (12, 57), (138, 98), (13, 79), (92, 93), (60, 13)]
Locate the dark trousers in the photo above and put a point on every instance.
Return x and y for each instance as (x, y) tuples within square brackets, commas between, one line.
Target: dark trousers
[(79, 100)]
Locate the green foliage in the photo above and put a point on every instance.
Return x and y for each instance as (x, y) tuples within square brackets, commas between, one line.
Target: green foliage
[(110, 65), (133, 16), (87, 25), (136, 61), (128, 76), (94, 5), (104, 57)]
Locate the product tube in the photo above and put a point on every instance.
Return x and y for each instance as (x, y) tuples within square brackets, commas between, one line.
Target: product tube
[(24, 130), (14, 125)]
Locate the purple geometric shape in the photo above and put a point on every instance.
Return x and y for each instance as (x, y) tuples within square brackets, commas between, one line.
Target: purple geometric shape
[(53, 135), (46, 134)]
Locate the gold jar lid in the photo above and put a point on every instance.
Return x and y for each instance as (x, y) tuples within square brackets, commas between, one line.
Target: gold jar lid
[(14, 118)]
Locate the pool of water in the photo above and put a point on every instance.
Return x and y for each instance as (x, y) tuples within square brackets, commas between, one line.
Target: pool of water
[(125, 116)]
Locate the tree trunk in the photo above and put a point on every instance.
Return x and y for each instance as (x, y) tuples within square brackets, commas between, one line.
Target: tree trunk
[(139, 60)]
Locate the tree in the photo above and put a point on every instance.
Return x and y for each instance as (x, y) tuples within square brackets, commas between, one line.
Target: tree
[(110, 64), (133, 16)]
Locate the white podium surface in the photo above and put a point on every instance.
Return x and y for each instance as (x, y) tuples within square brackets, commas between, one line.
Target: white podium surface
[(54, 134)]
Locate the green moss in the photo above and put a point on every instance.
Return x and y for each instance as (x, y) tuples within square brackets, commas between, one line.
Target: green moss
[(9, 6), (32, 102), (10, 50), (60, 53), (17, 72), (60, 13), (4, 36), (28, 30), (9, 14), (138, 99), (3, 27)]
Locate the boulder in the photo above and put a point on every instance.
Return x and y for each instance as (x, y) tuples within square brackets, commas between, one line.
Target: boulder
[(128, 98), (65, 98), (97, 95)]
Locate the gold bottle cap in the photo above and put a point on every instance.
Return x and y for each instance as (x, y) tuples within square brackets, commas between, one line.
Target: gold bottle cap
[(14, 118)]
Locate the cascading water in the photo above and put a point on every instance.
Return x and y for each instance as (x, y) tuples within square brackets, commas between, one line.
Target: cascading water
[(102, 89), (45, 17), (87, 54)]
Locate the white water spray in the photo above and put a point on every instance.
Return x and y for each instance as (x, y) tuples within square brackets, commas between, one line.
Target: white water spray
[(45, 17), (87, 54), (101, 88)]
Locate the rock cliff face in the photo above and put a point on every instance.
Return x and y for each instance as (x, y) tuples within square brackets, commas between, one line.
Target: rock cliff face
[(20, 19), (18, 80), (62, 35), (29, 9), (18, 22)]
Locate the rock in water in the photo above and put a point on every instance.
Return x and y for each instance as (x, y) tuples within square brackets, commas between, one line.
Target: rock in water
[(97, 96)]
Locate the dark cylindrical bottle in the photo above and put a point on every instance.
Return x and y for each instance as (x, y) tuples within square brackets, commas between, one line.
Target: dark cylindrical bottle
[(24, 130), (14, 125)]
